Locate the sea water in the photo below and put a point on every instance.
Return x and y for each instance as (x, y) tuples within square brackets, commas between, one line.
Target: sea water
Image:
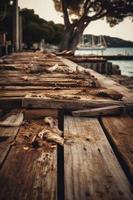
[(126, 66)]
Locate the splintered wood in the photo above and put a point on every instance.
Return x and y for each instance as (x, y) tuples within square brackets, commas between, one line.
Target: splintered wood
[(13, 120), (95, 112), (50, 76), (29, 171), (64, 102), (36, 157), (91, 168)]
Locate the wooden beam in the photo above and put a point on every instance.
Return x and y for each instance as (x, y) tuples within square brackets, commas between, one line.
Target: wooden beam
[(107, 110), (29, 173), (91, 168), (40, 113), (7, 136), (119, 130), (12, 120), (16, 25), (105, 82), (36, 101)]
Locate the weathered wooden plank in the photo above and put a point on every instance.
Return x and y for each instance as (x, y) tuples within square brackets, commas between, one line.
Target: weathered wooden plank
[(7, 136), (40, 113), (71, 102), (120, 132), (12, 120), (29, 173), (107, 110), (32, 88), (24, 177), (104, 81), (91, 168), (68, 83), (36, 91), (42, 75), (26, 78)]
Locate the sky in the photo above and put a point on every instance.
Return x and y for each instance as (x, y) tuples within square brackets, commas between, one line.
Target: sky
[(45, 9)]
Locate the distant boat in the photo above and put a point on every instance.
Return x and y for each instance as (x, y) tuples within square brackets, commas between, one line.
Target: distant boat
[(101, 45)]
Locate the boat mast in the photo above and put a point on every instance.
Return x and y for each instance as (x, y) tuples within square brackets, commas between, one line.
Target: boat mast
[(104, 42), (82, 40), (93, 42), (100, 42)]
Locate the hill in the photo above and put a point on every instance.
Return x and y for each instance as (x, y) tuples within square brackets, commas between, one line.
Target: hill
[(110, 41), (117, 42)]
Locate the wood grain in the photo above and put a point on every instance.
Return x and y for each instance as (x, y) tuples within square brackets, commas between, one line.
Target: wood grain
[(107, 110), (91, 168), (23, 177), (120, 132), (104, 81), (40, 113), (7, 137), (29, 173), (12, 120), (38, 101)]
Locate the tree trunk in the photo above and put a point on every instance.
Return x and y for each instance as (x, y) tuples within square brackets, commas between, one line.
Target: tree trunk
[(75, 40), (65, 41), (72, 36), (70, 41)]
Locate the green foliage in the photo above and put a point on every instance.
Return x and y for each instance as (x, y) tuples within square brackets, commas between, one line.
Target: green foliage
[(36, 28), (114, 10), (79, 13), (6, 24)]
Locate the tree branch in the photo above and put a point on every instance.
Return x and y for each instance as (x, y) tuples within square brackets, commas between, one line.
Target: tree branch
[(100, 14), (65, 12), (87, 5)]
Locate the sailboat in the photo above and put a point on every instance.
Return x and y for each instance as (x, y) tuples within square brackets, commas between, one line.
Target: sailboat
[(101, 45)]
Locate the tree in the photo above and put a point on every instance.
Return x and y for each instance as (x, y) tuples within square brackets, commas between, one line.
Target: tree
[(36, 28), (78, 14)]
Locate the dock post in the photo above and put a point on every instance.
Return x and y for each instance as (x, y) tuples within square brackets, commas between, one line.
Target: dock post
[(110, 68), (103, 68), (94, 66), (15, 26), (20, 33), (106, 68)]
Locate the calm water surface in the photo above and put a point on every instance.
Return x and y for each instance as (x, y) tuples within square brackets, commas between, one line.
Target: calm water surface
[(125, 66)]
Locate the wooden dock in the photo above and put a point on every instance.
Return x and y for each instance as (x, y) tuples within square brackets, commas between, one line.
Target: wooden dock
[(65, 131), (100, 64), (105, 57)]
